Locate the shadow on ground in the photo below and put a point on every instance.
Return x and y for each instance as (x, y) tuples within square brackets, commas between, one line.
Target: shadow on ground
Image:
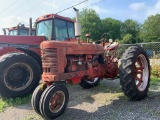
[(106, 102), (116, 106), (119, 109)]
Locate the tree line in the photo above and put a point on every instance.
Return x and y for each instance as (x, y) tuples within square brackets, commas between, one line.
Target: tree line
[(127, 32)]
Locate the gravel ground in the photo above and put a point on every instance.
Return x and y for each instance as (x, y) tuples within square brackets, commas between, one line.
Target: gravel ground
[(104, 102)]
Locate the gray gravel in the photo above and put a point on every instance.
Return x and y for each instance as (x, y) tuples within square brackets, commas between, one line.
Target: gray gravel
[(104, 102)]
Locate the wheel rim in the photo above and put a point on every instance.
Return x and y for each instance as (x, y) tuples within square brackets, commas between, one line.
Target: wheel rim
[(141, 72), (18, 76), (57, 101), (95, 80)]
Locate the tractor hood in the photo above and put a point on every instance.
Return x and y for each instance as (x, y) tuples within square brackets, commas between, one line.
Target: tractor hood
[(73, 48)]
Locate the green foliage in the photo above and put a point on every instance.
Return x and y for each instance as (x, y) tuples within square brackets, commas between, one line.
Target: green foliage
[(130, 28), (90, 23), (12, 102), (2, 105), (129, 31), (150, 31), (155, 81), (113, 27), (127, 39), (155, 71)]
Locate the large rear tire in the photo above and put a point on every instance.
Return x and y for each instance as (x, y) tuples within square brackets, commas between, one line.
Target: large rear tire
[(20, 74), (86, 83), (135, 73)]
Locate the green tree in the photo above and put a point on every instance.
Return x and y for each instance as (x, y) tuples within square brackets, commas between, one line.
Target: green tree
[(90, 23), (113, 27), (150, 31), (127, 39), (131, 27)]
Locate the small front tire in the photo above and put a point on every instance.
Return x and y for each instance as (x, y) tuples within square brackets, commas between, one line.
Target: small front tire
[(54, 101), (36, 97)]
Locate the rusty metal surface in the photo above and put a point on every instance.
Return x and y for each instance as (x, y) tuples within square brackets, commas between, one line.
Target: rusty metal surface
[(50, 16), (74, 48), (34, 40), (71, 61)]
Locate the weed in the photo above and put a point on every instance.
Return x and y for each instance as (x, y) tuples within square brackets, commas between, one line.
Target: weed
[(11, 102), (33, 117), (155, 81), (155, 70)]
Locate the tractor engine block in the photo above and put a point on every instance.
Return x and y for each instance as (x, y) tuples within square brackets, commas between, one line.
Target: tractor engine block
[(75, 63), (111, 67)]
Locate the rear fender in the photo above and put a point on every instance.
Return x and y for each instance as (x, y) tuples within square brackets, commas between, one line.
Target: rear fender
[(32, 54)]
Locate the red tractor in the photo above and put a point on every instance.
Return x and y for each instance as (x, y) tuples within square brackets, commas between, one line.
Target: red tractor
[(20, 29), (20, 60), (86, 64)]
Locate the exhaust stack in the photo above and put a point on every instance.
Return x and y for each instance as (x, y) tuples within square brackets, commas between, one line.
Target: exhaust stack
[(30, 26), (77, 25), (4, 31)]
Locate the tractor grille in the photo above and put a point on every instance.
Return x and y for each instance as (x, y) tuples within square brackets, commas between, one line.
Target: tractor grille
[(49, 60)]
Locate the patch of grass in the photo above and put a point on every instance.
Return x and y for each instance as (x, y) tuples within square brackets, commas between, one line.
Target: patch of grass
[(155, 70), (11, 102), (115, 96), (156, 113), (3, 105), (32, 117), (155, 81)]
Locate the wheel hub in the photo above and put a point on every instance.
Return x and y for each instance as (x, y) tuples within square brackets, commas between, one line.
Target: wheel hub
[(18, 76), (141, 72), (57, 101)]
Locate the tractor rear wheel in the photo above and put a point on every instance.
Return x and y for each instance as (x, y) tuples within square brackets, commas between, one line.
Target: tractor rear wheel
[(20, 74), (135, 73), (54, 101), (86, 83)]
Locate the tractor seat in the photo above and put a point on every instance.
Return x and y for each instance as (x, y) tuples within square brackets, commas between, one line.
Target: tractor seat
[(112, 46)]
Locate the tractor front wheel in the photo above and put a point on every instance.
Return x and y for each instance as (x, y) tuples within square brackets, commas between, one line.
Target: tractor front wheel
[(54, 101), (36, 97), (135, 73)]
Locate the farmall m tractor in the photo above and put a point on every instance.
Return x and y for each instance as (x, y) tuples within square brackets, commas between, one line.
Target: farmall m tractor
[(86, 64), (20, 56)]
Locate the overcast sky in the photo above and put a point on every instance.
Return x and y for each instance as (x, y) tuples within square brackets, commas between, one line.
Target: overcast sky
[(13, 12)]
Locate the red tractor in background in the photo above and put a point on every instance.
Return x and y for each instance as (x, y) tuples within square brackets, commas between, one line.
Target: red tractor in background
[(20, 29), (20, 60), (86, 64)]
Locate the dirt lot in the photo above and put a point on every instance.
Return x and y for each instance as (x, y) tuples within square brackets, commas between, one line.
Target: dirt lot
[(104, 102)]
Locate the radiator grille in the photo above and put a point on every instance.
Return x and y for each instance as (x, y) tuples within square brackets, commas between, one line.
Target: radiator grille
[(49, 60)]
